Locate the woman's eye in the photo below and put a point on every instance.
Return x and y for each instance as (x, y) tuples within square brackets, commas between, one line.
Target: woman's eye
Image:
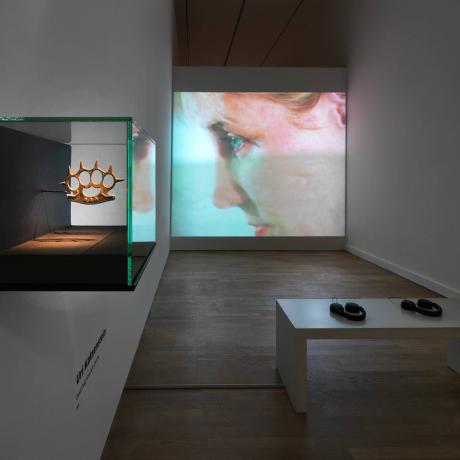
[(236, 143), (231, 145)]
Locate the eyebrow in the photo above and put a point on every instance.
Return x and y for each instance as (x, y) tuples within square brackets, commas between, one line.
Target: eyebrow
[(223, 120), (224, 127), (217, 126)]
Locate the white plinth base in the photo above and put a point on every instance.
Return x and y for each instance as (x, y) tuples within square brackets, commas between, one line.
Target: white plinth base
[(300, 320)]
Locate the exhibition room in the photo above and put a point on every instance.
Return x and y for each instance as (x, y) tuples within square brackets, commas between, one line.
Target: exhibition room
[(229, 230)]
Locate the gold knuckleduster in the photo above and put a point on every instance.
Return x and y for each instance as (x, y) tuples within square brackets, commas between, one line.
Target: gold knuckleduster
[(77, 193)]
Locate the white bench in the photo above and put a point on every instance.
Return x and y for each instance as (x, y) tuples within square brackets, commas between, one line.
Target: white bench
[(301, 320)]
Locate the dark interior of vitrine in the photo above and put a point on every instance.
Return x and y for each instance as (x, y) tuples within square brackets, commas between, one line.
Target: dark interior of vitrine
[(39, 248)]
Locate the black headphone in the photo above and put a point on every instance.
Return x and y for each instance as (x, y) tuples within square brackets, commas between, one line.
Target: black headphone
[(352, 311), (423, 306)]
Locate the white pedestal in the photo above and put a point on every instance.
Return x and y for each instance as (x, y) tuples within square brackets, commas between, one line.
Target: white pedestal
[(300, 320)]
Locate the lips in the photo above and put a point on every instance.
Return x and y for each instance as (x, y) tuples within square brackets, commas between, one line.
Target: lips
[(261, 229)]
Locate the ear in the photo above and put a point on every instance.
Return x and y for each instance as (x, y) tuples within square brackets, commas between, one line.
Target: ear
[(338, 109)]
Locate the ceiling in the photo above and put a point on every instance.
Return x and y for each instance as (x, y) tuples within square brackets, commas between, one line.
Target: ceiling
[(297, 33)]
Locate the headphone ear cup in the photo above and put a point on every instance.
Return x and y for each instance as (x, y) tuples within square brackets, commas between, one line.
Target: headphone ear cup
[(352, 307), (428, 308), (336, 308), (408, 305), (425, 303), (354, 312)]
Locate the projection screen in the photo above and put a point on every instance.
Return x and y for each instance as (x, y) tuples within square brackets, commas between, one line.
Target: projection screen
[(258, 164)]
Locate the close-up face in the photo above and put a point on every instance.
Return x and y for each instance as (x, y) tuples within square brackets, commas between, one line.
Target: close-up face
[(283, 165)]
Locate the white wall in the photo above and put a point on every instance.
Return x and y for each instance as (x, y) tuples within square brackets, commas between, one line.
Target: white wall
[(403, 149), (258, 79), (80, 58)]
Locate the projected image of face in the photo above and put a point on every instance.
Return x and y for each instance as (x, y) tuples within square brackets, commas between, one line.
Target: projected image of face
[(278, 158)]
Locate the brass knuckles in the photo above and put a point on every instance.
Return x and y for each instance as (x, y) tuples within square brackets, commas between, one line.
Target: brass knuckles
[(77, 194)]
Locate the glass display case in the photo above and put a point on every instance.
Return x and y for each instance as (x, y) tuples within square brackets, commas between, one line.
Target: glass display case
[(77, 203)]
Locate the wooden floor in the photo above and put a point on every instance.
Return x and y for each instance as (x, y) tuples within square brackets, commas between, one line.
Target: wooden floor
[(213, 322)]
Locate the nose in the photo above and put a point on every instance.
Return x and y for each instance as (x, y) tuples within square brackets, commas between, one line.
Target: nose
[(226, 192)]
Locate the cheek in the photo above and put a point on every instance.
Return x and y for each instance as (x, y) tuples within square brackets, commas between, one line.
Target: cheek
[(327, 140), (297, 194), (273, 183)]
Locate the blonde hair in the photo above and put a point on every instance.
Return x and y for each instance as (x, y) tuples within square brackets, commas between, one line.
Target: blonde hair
[(209, 107), (295, 102)]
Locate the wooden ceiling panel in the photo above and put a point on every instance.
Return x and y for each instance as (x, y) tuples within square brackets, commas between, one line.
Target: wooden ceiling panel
[(261, 23), (316, 36), (304, 33), (180, 49), (211, 24)]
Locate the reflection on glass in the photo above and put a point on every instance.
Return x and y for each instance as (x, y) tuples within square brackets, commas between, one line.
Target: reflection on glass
[(143, 186)]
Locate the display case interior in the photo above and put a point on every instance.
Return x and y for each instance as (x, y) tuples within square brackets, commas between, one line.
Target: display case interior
[(77, 203)]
